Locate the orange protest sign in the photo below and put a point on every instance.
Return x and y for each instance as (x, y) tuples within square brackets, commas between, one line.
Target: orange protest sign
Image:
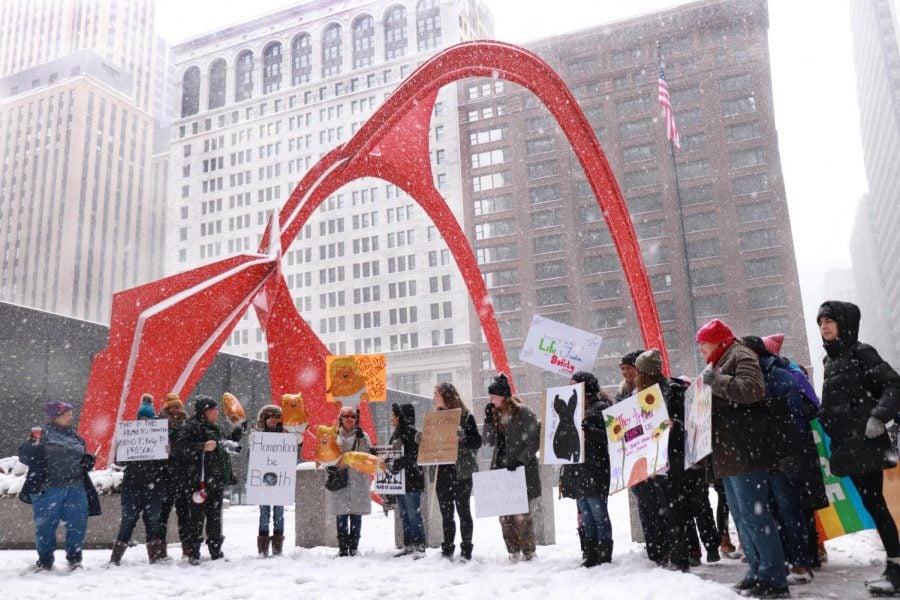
[(356, 378)]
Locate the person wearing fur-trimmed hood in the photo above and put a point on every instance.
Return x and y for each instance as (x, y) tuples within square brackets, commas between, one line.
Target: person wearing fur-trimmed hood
[(268, 420)]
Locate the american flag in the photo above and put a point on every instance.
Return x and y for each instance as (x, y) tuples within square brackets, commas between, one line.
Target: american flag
[(671, 128)]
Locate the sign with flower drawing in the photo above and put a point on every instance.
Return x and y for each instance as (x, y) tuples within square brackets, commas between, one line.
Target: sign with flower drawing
[(637, 429)]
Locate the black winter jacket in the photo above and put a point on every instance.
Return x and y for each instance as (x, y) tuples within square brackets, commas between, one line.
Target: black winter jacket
[(858, 383), (589, 479), (407, 436), (190, 457)]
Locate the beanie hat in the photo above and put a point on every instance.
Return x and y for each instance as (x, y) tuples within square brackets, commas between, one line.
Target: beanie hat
[(203, 404), (629, 358), (714, 332), (773, 343), (172, 401), (591, 385), (756, 344), (649, 363), (56, 408), (500, 386), (146, 410)]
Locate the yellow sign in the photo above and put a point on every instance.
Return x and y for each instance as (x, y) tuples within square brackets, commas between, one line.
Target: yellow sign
[(356, 378)]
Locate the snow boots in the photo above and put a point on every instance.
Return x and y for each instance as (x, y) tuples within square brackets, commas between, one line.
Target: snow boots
[(888, 584), (343, 545), (118, 550), (156, 551), (604, 552), (353, 543), (465, 551), (277, 544), (589, 553), (583, 542), (262, 545), (447, 550)]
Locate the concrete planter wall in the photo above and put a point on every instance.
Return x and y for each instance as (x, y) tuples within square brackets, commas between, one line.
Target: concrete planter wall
[(17, 525)]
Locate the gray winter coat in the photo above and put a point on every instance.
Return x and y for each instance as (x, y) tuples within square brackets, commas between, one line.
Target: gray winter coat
[(518, 444), (355, 498)]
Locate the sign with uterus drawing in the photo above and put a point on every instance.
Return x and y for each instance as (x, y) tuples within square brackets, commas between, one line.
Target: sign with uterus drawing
[(558, 347), (637, 430)]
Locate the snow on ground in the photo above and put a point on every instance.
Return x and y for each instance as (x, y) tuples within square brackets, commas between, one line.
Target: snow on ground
[(316, 573)]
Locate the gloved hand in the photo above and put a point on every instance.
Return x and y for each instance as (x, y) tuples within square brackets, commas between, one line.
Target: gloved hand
[(588, 426), (513, 465), (88, 460), (489, 413), (709, 376), (874, 428), (460, 433), (360, 433)]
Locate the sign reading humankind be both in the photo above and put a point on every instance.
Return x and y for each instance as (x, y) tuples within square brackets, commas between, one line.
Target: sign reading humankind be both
[(272, 469), (558, 347)]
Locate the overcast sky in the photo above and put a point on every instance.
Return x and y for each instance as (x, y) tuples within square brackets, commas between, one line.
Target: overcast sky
[(815, 102)]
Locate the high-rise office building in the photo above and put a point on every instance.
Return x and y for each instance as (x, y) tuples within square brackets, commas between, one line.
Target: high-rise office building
[(875, 245), (259, 103), (541, 239), (77, 221)]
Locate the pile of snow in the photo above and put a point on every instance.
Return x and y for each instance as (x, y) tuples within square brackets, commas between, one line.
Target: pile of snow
[(12, 478)]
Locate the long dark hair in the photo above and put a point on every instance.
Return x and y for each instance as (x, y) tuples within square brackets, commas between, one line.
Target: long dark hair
[(450, 396)]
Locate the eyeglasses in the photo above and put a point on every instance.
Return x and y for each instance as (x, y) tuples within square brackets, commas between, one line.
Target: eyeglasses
[(348, 417)]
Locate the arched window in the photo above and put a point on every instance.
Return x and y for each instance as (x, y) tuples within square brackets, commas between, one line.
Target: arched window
[(190, 92), (428, 24), (395, 33), (331, 50), (363, 41), (272, 56), (243, 76), (217, 83), (301, 59)]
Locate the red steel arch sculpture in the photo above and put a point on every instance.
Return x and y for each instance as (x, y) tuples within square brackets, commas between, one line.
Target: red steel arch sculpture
[(165, 334)]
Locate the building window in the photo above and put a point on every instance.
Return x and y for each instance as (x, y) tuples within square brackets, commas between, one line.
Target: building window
[(604, 290), (548, 243), (768, 296), (331, 51), (602, 263), (428, 24), (752, 157), (243, 76), (700, 221), (768, 266), (272, 56), (707, 276), (711, 306), (190, 92), (606, 318), (751, 184), (217, 72), (363, 41), (757, 239), (553, 295), (739, 106), (301, 59), (507, 302), (708, 248), (395, 40), (757, 211)]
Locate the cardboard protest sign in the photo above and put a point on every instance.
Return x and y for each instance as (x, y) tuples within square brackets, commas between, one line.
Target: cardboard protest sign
[(440, 443), (697, 422), (146, 439), (558, 347), (500, 492), (272, 468), (562, 441), (385, 481), (356, 378), (638, 432)]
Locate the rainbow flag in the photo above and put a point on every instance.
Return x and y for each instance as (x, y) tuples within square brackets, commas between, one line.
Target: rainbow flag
[(846, 513)]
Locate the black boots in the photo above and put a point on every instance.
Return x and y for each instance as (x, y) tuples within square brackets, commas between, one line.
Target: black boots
[(447, 550), (590, 553), (604, 551), (465, 550), (343, 545), (118, 550), (597, 552)]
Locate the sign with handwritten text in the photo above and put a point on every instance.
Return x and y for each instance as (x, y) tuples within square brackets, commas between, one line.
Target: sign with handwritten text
[(272, 468), (638, 432), (355, 378), (559, 348), (146, 439), (697, 422), (500, 492)]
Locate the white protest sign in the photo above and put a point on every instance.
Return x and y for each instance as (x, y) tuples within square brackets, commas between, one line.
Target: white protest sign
[(500, 492), (562, 442), (697, 422), (272, 468), (385, 481), (142, 440), (638, 432), (558, 347)]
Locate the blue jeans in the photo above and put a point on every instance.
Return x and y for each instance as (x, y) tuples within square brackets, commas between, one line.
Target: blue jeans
[(277, 513), (137, 502), (595, 518), (66, 504), (790, 516), (748, 499), (409, 505)]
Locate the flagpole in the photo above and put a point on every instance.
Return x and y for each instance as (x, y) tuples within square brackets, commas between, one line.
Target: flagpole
[(680, 214)]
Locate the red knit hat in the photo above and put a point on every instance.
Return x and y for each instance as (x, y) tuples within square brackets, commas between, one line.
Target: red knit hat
[(773, 343), (714, 332)]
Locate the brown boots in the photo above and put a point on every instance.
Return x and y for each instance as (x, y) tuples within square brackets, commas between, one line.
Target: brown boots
[(262, 545), (156, 551), (277, 544), (118, 550)]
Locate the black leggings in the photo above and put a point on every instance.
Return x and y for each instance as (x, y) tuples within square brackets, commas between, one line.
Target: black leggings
[(869, 486), (452, 492), (721, 508)]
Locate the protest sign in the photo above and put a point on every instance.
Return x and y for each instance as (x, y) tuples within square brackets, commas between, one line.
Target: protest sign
[(355, 378), (440, 443), (562, 441), (147, 439), (272, 468), (638, 432), (558, 347), (697, 422), (500, 492), (385, 481)]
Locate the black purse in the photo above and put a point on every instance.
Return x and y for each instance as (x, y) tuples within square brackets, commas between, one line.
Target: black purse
[(857, 455), (338, 479)]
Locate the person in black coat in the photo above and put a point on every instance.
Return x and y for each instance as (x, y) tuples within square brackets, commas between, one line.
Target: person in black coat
[(176, 479), (588, 482), (58, 486), (861, 393), (199, 448), (409, 505), (143, 494), (454, 482)]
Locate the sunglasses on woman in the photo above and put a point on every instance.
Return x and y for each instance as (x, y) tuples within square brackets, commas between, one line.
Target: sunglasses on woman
[(348, 417)]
